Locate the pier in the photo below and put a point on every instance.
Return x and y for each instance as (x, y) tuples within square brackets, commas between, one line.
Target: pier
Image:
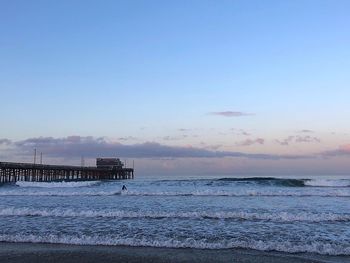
[(13, 172)]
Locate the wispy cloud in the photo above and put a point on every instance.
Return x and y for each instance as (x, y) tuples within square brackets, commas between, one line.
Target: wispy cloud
[(240, 132), (174, 138), (307, 139), (128, 138), (249, 142), (211, 146), (230, 113), (285, 141), (184, 130), (305, 131), (298, 139)]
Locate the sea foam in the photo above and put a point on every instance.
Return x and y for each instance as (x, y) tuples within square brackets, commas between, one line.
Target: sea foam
[(328, 183), (57, 184), (57, 191), (271, 245), (240, 215)]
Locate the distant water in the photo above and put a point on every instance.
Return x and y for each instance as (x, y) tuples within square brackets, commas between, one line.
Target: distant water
[(263, 213)]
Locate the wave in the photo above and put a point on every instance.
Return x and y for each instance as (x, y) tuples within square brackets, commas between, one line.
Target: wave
[(239, 215), (317, 247), (203, 193), (272, 181), (328, 183), (242, 193), (60, 193), (268, 181), (63, 184)]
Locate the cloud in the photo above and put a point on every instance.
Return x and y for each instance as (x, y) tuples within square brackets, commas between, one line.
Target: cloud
[(298, 139), (343, 150), (307, 139), (211, 146), (230, 113), (90, 147), (249, 142), (305, 131), (240, 132), (174, 138), (128, 138), (285, 141), (5, 142)]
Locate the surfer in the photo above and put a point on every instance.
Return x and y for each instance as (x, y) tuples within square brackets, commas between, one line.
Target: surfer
[(124, 188)]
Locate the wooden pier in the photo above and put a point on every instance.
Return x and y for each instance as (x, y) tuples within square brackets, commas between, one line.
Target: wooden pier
[(13, 172)]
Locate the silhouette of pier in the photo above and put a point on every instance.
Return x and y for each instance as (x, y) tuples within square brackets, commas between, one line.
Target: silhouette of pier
[(13, 172)]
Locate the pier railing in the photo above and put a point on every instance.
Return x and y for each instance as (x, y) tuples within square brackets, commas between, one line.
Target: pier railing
[(13, 172)]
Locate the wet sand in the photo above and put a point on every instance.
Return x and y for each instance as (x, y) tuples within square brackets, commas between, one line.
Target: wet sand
[(28, 252)]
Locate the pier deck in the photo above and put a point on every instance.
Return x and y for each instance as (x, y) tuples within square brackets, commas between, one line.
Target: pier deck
[(13, 172)]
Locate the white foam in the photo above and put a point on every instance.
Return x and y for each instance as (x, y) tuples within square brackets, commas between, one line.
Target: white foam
[(57, 184), (242, 215), (239, 193), (59, 193), (277, 245), (328, 183), (297, 193)]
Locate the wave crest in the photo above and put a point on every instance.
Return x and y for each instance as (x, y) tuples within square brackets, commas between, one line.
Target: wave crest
[(63, 184), (317, 247), (217, 193), (328, 183), (240, 215), (272, 181)]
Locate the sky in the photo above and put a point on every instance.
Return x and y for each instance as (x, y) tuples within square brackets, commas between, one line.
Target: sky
[(180, 87)]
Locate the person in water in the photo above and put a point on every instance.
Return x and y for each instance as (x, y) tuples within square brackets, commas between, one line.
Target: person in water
[(124, 188)]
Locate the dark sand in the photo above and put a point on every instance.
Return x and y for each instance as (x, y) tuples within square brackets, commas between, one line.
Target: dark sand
[(27, 252)]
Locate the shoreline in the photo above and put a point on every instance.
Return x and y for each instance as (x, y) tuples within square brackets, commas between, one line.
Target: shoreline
[(44, 252)]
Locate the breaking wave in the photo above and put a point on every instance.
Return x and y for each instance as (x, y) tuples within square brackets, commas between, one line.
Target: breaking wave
[(59, 193), (271, 245), (245, 192), (63, 184), (241, 215), (272, 181), (204, 192), (268, 181), (328, 183)]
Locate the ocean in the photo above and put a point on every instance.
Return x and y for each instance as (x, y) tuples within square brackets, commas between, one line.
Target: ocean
[(292, 215)]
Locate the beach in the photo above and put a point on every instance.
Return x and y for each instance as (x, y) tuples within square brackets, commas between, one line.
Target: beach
[(30, 253)]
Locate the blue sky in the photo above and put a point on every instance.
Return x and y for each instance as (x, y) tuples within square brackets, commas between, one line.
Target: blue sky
[(165, 72)]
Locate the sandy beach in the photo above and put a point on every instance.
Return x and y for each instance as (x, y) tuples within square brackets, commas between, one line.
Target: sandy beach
[(28, 252)]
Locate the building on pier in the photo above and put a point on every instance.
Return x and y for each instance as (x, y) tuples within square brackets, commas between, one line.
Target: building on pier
[(109, 163)]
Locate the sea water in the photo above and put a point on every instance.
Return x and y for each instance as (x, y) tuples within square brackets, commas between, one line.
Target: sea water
[(263, 213)]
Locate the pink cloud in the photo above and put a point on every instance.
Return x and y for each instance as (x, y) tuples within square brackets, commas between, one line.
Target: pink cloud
[(230, 113), (345, 148)]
